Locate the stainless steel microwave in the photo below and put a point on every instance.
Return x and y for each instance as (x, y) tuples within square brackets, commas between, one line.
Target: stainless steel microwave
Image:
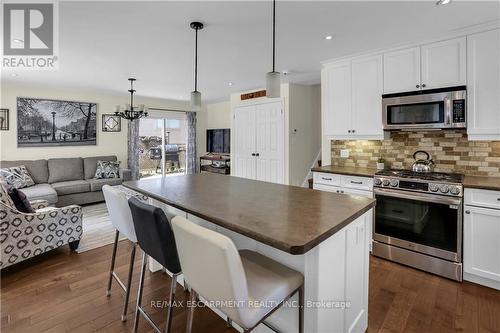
[(425, 109)]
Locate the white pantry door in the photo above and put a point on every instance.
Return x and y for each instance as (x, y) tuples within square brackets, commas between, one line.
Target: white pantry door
[(244, 142), (270, 145)]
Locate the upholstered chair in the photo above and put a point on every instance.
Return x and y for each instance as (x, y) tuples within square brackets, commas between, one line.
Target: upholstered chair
[(25, 235), (215, 269)]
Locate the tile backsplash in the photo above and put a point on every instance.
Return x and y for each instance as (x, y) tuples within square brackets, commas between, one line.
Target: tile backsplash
[(450, 150)]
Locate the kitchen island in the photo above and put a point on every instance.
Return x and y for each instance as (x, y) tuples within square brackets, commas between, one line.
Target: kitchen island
[(323, 235)]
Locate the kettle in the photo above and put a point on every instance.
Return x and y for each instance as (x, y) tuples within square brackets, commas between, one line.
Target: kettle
[(422, 165)]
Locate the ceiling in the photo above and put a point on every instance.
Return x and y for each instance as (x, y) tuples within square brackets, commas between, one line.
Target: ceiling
[(103, 43)]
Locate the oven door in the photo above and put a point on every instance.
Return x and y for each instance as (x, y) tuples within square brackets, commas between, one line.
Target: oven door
[(426, 223)]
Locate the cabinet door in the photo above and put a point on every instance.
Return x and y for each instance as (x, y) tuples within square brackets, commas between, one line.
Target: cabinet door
[(270, 147), (244, 142), (369, 220), (402, 70), (356, 275), (444, 63), (367, 81), (481, 245), (336, 92), (483, 86)]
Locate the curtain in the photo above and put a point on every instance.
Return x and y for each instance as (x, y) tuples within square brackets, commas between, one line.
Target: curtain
[(191, 143), (133, 148)]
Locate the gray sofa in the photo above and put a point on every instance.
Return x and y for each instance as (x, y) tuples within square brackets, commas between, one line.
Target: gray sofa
[(67, 181)]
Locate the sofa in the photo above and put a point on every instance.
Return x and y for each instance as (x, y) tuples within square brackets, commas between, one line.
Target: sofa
[(66, 181), (26, 235)]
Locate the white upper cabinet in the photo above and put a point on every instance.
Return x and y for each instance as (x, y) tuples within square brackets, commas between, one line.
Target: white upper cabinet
[(483, 86), (435, 65), (336, 92), (352, 92), (367, 96), (402, 70), (444, 63)]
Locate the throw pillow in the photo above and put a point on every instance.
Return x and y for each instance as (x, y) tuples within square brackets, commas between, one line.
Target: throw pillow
[(17, 176), (107, 169), (21, 201)]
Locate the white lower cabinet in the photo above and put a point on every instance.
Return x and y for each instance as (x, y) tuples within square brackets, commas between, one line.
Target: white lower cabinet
[(351, 185), (481, 253)]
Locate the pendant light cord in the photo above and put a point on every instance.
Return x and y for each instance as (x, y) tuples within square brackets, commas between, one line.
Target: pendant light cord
[(274, 33), (196, 61), (131, 95)]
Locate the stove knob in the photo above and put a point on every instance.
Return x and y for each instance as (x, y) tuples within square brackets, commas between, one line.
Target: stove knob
[(455, 190), (377, 181), (394, 182), (444, 188), (386, 182), (433, 188)]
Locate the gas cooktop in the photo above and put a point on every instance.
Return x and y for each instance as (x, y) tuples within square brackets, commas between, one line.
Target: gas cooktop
[(433, 182), (431, 176)]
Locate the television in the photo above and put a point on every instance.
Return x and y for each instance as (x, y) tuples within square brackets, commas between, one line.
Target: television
[(218, 141)]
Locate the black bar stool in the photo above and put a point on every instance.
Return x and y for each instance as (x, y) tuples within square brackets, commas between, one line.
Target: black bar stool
[(156, 239)]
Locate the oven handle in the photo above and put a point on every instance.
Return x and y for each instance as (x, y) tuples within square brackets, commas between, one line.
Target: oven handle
[(419, 197)]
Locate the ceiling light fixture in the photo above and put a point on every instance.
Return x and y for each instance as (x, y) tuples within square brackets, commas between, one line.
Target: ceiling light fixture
[(230, 84), (131, 112), (196, 95), (442, 2), (329, 37), (273, 79)]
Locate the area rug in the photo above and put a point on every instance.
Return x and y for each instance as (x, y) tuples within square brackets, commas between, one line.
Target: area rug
[(98, 230)]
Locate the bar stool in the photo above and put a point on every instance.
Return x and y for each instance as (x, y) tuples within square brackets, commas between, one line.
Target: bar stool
[(119, 212), (156, 239), (242, 280)]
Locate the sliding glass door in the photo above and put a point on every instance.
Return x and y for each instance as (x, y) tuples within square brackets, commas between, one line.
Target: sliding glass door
[(162, 142)]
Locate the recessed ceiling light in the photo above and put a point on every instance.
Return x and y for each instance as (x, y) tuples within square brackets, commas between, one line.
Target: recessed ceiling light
[(17, 40), (328, 37), (442, 2), (230, 83), (14, 74)]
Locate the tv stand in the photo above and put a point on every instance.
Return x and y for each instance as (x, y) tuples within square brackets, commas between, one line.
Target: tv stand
[(218, 164)]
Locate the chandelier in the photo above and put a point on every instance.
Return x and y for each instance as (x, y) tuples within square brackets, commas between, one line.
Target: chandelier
[(131, 112)]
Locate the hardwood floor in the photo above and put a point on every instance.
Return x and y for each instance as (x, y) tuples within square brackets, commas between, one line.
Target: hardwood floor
[(62, 291)]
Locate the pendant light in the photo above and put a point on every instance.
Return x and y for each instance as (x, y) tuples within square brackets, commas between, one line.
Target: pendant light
[(196, 95), (273, 79), (129, 111)]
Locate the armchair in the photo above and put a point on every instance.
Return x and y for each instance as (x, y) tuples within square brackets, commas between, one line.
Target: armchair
[(25, 235)]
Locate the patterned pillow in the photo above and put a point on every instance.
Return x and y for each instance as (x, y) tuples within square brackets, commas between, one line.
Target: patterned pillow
[(107, 169), (17, 176)]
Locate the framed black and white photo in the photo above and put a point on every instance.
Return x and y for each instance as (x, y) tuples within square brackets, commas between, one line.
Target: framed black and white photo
[(47, 122), (4, 119), (111, 123)]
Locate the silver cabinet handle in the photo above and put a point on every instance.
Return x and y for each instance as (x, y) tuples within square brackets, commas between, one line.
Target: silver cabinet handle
[(467, 212), (357, 183), (326, 178)]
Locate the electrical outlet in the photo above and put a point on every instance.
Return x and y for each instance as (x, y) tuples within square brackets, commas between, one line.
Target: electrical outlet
[(344, 153)]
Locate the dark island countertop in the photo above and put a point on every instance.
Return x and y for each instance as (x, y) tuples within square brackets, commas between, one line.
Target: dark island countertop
[(345, 170), (292, 219), (482, 182)]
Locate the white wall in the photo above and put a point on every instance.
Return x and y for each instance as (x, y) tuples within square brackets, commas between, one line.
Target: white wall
[(107, 143), (215, 115), (305, 118)]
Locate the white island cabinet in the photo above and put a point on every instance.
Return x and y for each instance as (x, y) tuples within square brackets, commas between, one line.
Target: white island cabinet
[(482, 237)]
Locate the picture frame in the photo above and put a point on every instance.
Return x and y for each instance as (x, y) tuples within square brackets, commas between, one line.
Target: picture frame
[(111, 123), (4, 119), (45, 122)]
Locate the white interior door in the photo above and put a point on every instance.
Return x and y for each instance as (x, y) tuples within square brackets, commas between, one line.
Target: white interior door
[(270, 147), (243, 164)]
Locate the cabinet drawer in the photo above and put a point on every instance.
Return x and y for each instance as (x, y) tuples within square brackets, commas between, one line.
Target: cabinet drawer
[(482, 198), (327, 188), (360, 183), (326, 178)]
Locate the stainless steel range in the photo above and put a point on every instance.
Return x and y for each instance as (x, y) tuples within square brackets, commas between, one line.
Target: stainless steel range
[(418, 220)]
